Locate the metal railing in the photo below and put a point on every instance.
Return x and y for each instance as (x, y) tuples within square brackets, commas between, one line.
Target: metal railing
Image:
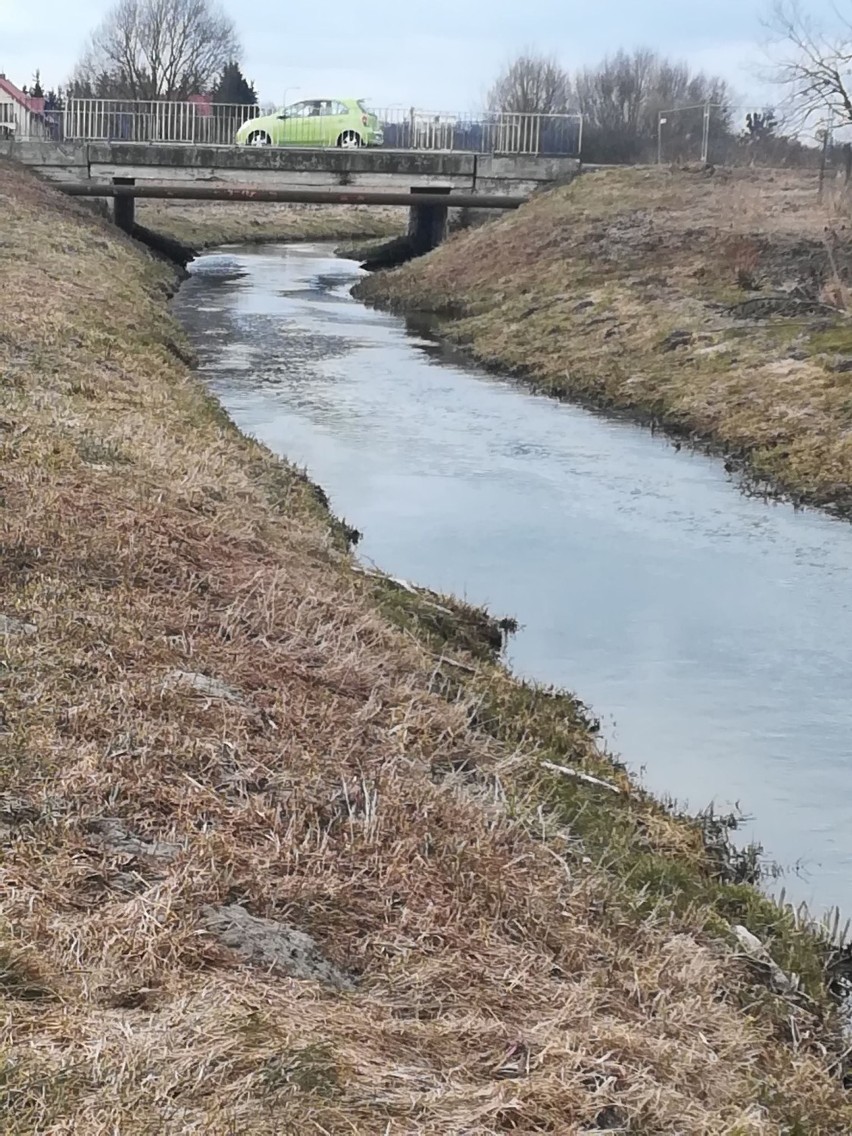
[(403, 128), (491, 132), (114, 120)]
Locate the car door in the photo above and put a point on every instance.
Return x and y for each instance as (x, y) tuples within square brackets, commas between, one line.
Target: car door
[(339, 122), (326, 123), (297, 124), (313, 123)]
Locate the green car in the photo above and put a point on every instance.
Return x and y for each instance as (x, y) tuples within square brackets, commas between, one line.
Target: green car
[(315, 122)]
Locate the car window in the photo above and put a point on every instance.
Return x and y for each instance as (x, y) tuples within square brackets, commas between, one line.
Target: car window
[(297, 110), (341, 108)]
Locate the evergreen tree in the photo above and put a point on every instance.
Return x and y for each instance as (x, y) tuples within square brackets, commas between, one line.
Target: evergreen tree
[(760, 126), (37, 91), (233, 87)]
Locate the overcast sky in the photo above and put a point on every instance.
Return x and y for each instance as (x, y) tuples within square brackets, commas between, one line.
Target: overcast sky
[(439, 55)]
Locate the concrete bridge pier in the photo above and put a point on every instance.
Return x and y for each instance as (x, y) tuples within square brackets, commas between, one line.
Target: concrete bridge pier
[(427, 224), (124, 208)]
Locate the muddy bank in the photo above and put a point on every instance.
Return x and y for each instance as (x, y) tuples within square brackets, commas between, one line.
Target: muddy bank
[(712, 307), (223, 741)]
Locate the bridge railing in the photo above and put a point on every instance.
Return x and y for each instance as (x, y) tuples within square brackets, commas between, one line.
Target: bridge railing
[(488, 132), (200, 122)]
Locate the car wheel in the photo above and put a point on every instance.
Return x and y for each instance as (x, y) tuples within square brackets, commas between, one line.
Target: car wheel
[(349, 140), (259, 138)]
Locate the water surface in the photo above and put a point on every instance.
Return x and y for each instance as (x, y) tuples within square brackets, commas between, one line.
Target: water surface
[(711, 632)]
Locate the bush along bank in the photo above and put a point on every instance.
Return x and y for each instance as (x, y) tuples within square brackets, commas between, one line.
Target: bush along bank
[(711, 304), (284, 847)]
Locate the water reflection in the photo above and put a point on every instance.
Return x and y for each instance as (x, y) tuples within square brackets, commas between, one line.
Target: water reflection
[(712, 632)]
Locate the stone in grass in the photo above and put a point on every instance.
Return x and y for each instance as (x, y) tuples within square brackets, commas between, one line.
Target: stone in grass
[(12, 626), (202, 685), (272, 946), (675, 339), (780, 982)]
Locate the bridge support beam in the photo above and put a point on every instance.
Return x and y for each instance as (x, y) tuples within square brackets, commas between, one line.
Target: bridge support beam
[(124, 208), (427, 224)]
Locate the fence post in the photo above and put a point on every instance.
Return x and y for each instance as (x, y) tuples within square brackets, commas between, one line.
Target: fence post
[(661, 121)]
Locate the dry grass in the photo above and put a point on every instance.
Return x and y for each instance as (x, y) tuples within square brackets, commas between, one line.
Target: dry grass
[(508, 977), (203, 224), (579, 292)]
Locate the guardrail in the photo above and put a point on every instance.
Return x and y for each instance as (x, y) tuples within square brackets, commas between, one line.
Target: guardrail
[(200, 122)]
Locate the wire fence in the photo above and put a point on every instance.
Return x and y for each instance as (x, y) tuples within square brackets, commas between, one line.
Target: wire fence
[(723, 135), (313, 124)]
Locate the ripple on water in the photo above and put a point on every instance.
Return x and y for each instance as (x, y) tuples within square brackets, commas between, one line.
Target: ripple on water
[(712, 632)]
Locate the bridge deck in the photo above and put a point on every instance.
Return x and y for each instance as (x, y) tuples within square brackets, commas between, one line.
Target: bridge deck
[(279, 167)]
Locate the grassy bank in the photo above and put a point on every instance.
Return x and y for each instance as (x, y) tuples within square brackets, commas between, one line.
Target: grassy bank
[(205, 224), (218, 735), (715, 306)]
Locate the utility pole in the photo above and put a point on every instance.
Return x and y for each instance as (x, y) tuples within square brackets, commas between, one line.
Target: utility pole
[(705, 135), (661, 122), (826, 142)]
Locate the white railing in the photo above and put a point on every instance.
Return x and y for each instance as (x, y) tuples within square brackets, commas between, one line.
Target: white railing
[(489, 132), (116, 120), (404, 128)]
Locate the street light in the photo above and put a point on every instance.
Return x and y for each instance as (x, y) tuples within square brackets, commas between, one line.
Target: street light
[(286, 89)]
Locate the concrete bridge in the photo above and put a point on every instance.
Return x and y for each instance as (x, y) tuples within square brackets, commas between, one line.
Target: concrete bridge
[(284, 168)]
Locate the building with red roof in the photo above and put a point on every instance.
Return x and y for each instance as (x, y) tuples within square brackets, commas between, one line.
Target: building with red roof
[(19, 113)]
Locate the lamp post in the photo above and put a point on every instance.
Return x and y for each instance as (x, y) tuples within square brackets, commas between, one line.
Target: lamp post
[(286, 89)]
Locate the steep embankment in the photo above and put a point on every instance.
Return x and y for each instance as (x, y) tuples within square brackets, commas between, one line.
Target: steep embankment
[(714, 305), (217, 737)]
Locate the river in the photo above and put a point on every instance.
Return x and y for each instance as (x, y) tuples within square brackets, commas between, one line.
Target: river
[(711, 632)]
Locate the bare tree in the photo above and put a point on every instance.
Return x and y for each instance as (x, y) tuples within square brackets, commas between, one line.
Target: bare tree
[(814, 63), (622, 98), (157, 49), (531, 84)]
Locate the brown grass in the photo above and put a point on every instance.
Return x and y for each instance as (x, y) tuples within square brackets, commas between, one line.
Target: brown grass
[(203, 224), (579, 291), (507, 978)]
